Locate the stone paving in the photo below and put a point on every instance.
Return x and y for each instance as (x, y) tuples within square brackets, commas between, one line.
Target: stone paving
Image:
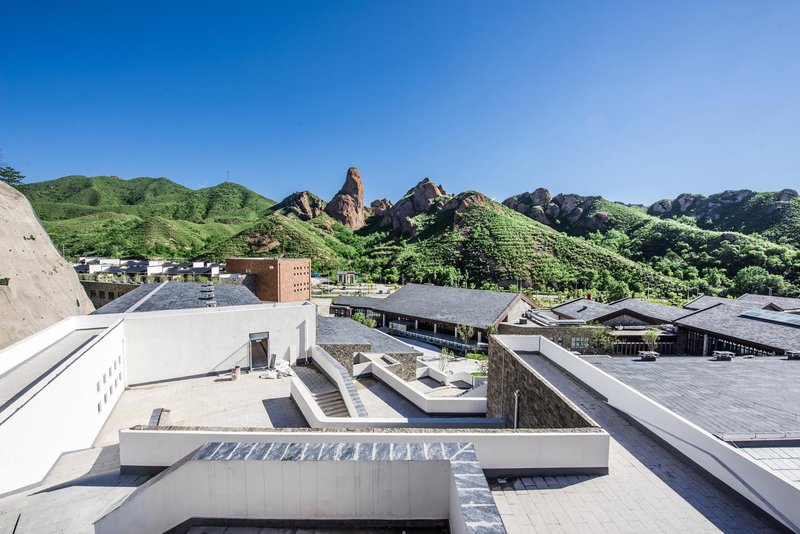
[(207, 401), (648, 489), (747, 398)]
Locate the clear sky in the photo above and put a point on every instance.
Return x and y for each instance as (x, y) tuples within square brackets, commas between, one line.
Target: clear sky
[(635, 101)]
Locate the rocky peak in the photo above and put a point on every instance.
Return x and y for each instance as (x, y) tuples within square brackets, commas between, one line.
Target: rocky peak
[(381, 206), (347, 206), (303, 205), (418, 199), (785, 195)]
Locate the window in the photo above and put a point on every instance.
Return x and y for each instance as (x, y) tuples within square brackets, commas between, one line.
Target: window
[(92, 293), (98, 386), (105, 398), (104, 379), (99, 407), (102, 294)]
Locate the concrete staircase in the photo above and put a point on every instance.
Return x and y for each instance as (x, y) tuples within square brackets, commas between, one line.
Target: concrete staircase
[(332, 404)]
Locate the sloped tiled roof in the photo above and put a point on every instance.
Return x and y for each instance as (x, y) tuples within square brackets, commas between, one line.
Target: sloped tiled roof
[(726, 320), (660, 312), (346, 331), (583, 309), (454, 305), (784, 303), (705, 301), (355, 301)]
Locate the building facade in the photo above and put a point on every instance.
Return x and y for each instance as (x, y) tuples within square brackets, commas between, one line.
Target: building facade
[(277, 279)]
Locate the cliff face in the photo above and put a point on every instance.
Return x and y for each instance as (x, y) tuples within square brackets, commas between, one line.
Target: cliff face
[(42, 287), (303, 205), (418, 199), (547, 209), (347, 206)]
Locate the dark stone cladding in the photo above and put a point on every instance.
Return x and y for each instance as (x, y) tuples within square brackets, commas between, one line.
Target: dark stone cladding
[(540, 405), (478, 507), (557, 334), (343, 353), (361, 411), (406, 367)]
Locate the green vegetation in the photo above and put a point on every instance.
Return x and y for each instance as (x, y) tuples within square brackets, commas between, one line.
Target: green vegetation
[(650, 338), (142, 217), (363, 319), (464, 240), (477, 356)]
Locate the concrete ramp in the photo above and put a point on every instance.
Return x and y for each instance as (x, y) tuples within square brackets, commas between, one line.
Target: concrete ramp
[(346, 484)]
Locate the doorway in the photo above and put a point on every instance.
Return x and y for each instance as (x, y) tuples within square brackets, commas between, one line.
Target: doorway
[(259, 350)]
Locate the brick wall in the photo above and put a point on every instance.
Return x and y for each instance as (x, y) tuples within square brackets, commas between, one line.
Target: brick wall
[(540, 405), (277, 279)]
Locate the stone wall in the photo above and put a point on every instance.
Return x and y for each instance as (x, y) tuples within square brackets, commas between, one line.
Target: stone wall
[(344, 353), (540, 405), (407, 370), (101, 293), (562, 335)]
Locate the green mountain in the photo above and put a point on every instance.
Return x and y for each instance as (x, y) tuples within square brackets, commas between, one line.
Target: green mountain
[(142, 217), (774, 215), (706, 259), (566, 243)]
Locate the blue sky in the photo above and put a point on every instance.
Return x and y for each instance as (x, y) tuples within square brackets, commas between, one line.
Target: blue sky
[(635, 101)]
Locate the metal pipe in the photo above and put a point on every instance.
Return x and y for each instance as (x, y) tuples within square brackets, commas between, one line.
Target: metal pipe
[(516, 409)]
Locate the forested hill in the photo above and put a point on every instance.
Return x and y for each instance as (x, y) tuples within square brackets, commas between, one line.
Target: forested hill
[(566, 243)]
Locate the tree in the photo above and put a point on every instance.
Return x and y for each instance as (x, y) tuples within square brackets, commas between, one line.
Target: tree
[(11, 176), (465, 332), (370, 322), (617, 290), (359, 317), (650, 338), (491, 329), (754, 279), (445, 357)]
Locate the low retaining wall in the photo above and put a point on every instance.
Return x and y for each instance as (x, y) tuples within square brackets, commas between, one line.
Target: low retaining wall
[(763, 487), (538, 404), (337, 374), (500, 452), (316, 418)]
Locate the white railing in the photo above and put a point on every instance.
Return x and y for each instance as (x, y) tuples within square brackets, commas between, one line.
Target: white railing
[(763, 487)]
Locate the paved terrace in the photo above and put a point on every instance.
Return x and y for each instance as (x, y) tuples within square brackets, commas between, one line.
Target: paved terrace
[(743, 399), (648, 489)]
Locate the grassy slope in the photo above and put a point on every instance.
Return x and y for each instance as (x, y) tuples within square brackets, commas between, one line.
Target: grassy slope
[(653, 239), (493, 242), (143, 217), (763, 213)]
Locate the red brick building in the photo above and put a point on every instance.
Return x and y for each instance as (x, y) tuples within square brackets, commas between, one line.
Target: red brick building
[(277, 279)]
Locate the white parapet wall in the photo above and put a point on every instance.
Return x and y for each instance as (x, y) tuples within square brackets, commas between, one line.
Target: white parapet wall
[(316, 418), (763, 487), (499, 451), (165, 345), (65, 410)]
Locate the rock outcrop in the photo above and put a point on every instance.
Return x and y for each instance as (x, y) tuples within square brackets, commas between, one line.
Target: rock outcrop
[(347, 206), (551, 210), (303, 205), (418, 199), (37, 286), (706, 208)]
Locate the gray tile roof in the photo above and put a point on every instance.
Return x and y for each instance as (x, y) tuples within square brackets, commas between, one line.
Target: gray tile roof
[(355, 301), (583, 309), (345, 331), (705, 301), (736, 400), (725, 320), (660, 312), (785, 303), (178, 296), (453, 305)]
